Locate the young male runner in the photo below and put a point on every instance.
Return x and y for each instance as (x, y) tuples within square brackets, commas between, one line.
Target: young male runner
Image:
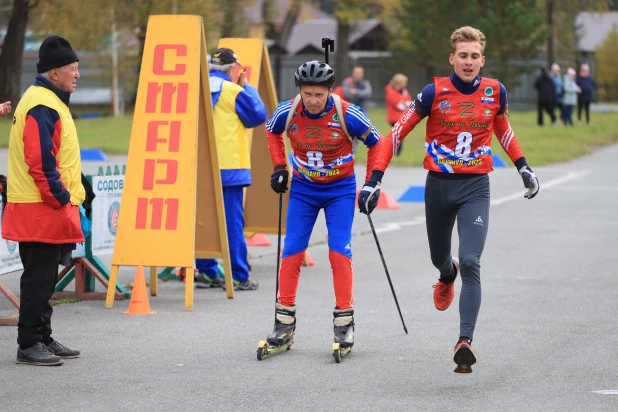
[(463, 110)]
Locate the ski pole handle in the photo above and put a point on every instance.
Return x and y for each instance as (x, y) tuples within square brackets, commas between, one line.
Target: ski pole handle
[(328, 43)]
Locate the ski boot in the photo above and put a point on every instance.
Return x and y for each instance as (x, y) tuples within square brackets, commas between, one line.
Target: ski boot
[(343, 319), (282, 336)]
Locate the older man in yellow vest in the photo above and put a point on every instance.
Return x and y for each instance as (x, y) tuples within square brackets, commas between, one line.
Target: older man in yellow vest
[(44, 195), (236, 107)]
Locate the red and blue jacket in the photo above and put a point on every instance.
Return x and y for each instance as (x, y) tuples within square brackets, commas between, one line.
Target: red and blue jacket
[(44, 169)]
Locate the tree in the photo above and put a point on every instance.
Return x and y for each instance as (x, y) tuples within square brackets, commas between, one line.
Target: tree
[(607, 66), (13, 49), (88, 26), (421, 36), (560, 20), (347, 13)]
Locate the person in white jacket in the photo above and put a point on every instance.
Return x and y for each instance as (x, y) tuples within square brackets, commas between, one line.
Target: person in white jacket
[(570, 96)]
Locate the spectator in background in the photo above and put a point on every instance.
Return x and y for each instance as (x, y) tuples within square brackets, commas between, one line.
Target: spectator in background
[(356, 89), (587, 85), (44, 196), (397, 100), (5, 108), (555, 76), (547, 96), (571, 89)]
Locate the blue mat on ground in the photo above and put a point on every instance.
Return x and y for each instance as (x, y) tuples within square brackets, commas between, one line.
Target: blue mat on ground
[(90, 116), (413, 194), (93, 154), (498, 162)]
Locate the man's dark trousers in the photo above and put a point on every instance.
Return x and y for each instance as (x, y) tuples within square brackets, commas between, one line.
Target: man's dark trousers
[(37, 284)]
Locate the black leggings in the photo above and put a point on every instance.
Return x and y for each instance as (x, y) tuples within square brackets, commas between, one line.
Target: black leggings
[(586, 107), (466, 200)]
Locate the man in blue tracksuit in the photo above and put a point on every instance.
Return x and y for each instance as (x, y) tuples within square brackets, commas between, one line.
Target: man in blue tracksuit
[(236, 107)]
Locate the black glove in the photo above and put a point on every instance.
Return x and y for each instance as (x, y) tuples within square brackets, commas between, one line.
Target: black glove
[(531, 182), (369, 196), (279, 179)]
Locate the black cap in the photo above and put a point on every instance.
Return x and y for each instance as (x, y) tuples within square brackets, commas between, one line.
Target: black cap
[(55, 52), (223, 56)]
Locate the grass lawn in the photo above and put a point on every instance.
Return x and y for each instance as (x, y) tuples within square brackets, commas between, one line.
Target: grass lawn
[(542, 145)]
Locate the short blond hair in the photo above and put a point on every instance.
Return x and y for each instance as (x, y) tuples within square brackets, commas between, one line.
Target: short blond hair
[(467, 34), (399, 78)]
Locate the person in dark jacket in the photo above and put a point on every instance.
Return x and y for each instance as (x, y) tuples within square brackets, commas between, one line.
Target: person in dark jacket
[(547, 96), (587, 85)]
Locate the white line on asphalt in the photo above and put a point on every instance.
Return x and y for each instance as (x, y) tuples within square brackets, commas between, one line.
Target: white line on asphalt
[(607, 392), (392, 226)]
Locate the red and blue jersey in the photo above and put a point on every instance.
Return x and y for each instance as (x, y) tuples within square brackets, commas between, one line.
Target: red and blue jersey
[(321, 152), (461, 119)]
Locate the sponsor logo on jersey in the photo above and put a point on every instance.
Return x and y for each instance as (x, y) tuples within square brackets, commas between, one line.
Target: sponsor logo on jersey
[(487, 100), (489, 91), (486, 112), (335, 117), (312, 132), (292, 130), (466, 106), (407, 114), (335, 135), (477, 81), (332, 125), (444, 107), (445, 91), (441, 122), (475, 125), (420, 96)]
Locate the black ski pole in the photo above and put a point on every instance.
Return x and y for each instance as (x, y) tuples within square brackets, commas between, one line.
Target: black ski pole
[(328, 43), (278, 247), (375, 236)]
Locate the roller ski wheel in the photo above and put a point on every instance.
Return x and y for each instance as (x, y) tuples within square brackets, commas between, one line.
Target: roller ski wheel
[(340, 351), (265, 350), (464, 357)]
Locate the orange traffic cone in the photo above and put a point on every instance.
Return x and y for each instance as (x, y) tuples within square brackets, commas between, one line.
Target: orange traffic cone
[(307, 261), (139, 298), (258, 239), (385, 201)]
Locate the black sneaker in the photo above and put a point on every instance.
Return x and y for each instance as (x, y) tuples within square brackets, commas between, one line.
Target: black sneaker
[(39, 355), (60, 350), (248, 284), (203, 281)]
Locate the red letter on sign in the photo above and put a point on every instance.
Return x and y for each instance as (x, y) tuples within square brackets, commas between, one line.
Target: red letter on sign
[(159, 59), (171, 173), (152, 136), (171, 218), (169, 89)]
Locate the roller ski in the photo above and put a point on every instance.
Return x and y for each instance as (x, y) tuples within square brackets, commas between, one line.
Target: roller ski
[(343, 321), (282, 337), (464, 356)]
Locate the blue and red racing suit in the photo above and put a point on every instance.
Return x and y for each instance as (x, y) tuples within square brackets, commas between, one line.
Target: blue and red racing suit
[(324, 178)]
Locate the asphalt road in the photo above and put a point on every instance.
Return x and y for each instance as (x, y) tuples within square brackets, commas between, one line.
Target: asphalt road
[(546, 337)]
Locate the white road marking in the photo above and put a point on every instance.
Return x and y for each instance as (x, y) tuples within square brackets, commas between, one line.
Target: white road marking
[(607, 392)]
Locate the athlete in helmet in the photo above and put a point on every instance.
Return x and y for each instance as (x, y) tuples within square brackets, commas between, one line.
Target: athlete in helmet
[(322, 130)]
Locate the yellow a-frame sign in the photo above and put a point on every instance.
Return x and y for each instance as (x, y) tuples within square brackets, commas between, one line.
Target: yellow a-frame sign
[(172, 207), (261, 203)]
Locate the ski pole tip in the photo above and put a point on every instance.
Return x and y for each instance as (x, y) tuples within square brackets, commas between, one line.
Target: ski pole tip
[(405, 330)]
